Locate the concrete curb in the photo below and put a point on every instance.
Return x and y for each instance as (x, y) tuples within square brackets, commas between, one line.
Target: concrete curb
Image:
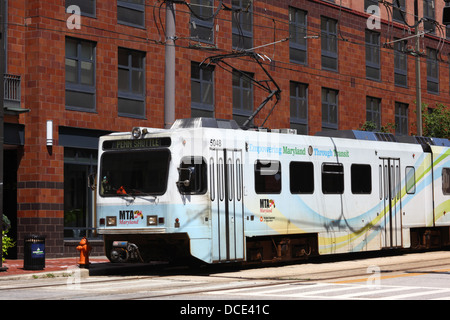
[(69, 272)]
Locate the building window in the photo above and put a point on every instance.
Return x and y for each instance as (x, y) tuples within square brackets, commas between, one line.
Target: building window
[(87, 7), (329, 44), (373, 55), (267, 176), (400, 64), (329, 109), (373, 111), (202, 91), (368, 3), (202, 29), (401, 119), (299, 107), (242, 96), (131, 12), (131, 96), (242, 24), (297, 35), (399, 11), (429, 15), (80, 74), (432, 71)]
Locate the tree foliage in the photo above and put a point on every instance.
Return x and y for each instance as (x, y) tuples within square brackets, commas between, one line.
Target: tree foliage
[(436, 121), (7, 242), (371, 126)]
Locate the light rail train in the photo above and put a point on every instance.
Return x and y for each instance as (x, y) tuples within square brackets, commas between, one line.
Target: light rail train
[(206, 189)]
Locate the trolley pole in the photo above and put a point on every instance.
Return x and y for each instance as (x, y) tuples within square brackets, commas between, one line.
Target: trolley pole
[(2, 96), (169, 71)]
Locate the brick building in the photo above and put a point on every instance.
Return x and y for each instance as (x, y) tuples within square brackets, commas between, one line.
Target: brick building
[(106, 74)]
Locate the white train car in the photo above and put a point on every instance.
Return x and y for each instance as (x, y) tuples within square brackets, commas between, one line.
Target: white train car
[(209, 190)]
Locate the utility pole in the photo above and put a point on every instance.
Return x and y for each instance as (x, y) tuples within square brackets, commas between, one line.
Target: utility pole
[(169, 70), (418, 79), (2, 98)]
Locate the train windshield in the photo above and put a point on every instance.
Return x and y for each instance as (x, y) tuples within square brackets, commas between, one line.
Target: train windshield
[(134, 173)]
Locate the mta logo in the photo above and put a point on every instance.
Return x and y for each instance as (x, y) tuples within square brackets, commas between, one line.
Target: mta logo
[(130, 214), (266, 203)]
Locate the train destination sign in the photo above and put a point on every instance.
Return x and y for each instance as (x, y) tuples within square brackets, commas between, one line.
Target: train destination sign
[(136, 144)]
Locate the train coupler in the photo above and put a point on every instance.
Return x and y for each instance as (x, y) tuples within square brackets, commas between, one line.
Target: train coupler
[(124, 251)]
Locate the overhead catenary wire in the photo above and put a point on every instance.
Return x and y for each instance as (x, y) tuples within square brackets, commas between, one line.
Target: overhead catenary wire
[(113, 34)]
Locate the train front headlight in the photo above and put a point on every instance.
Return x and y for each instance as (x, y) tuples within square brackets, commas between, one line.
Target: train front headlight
[(136, 133), (111, 221), (152, 220)]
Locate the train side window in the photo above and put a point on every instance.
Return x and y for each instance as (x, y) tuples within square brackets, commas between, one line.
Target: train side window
[(332, 178), (267, 176), (192, 176), (446, 181), (410, 175), (361, 176), (301, 177)]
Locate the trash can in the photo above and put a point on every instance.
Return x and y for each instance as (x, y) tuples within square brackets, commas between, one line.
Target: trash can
[(34, 252)]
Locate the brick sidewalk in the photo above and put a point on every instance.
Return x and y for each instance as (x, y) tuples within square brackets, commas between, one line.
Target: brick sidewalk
[(15, 267)]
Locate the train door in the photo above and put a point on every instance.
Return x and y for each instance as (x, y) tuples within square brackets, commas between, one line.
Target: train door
[(226, 179), (390, 196)]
